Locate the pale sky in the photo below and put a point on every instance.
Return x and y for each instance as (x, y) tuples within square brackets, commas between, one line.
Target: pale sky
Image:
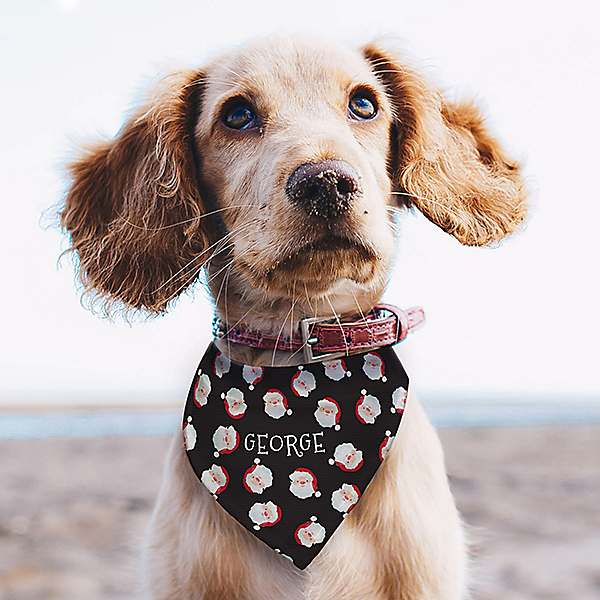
[(520, 320)]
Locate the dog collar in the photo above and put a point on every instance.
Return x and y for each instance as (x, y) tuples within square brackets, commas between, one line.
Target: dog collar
[(326, 338), (289, 451)]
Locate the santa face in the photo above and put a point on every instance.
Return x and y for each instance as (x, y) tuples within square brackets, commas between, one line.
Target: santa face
[(215, 479), (189, 434), (345, 498), (309, 533), (399, 400), (235, 406), (257, 479), (264, 514), (373, 366), (328, 412), (385, 446), (226, 439), (252, 375), (275, 404), (347, 457), (222, 365), (202, 390), (367, 409), (303, 383), (303, 483), (335, 369)]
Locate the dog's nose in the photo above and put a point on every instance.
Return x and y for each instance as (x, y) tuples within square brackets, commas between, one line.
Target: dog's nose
[(324, 189)]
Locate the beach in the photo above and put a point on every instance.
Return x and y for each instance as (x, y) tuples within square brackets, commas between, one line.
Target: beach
[(73, 512)]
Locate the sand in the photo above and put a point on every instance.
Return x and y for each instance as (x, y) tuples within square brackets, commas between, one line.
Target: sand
[(72, 513)]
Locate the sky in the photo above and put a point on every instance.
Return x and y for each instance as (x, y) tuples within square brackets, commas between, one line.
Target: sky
[(520, 320)]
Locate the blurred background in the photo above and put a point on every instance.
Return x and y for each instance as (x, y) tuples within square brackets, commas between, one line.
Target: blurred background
[(507, 364)]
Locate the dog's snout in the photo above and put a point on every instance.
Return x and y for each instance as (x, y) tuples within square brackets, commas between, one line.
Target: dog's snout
[(324, 189)]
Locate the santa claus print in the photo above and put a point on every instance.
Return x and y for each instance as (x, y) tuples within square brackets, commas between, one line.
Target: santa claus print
[(347, 457), (202, 390), (374, 367), (336, 369), (189, 434), (309, 533), (235, 406), (367, 408), (328, 413), (276, 404), (215, 479), (264, 514), (222, 365), (257, 479), (386, 445), (345, 498), (303, 382), (252, 375), (399, 400), (303, 483), (225, 440)]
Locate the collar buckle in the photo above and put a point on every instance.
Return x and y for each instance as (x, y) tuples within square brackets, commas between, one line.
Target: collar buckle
[(308, 340)]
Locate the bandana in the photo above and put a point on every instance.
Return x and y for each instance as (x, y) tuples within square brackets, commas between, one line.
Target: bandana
[(289, 451)]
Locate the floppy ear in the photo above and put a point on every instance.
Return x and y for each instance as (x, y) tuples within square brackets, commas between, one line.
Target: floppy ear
[(446, 162), (133, 205)]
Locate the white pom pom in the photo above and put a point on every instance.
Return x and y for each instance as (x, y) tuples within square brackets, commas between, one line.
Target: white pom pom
[(317, 494), (348, 374), (331, 461), (216, 455), (256, 527), (392, 410), (250, 387), (289, 411), (344, 515), (300, 368), (313, 519), (223, 395), (189, 419), (199, 371), (337, 427), (363, 392), (257, 461), (277, 550), (388, 432), (384, 379)]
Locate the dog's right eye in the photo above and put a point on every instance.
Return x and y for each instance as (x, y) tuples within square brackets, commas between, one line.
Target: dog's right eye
[(239, 116)]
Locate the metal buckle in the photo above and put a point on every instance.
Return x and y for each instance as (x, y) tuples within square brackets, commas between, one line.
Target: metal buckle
[(306, 326)]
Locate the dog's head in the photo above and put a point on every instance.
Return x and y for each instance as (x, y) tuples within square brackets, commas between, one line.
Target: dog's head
[(282, 163)]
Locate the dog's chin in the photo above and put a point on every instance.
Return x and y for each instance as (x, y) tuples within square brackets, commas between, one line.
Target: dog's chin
[(318, 265)]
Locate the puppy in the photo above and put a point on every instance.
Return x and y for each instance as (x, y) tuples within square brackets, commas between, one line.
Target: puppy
[(199, 179)]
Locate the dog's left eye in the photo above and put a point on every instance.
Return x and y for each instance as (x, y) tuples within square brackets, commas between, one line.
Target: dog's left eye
[(239, 116), (362, 105)]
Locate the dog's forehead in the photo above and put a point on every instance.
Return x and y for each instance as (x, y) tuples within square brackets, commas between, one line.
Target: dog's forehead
[(280, 66)]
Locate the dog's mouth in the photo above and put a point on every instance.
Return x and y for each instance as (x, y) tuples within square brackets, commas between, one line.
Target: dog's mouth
[(321, 262)]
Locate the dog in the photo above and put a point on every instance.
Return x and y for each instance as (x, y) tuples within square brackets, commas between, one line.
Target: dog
[(218, 172)]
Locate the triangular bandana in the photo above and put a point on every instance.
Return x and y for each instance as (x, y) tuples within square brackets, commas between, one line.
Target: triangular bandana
[(289, 451)]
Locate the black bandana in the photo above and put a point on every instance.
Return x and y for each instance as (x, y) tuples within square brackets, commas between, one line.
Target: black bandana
[(289, 451)]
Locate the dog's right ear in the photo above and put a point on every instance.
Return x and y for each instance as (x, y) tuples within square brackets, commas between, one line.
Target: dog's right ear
[(133, 210)]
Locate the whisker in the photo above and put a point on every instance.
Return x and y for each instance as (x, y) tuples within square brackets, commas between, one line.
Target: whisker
[(219, 241), (198, 218), (339, 323), (279, 334)]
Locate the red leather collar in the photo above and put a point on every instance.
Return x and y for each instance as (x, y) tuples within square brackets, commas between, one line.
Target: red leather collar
[(323, 338)]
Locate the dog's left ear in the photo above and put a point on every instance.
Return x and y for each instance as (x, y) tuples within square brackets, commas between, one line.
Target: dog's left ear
[(445, 161)]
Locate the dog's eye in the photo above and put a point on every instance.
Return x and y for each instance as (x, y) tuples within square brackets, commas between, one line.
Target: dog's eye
[(362, 105), (239, 116)]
